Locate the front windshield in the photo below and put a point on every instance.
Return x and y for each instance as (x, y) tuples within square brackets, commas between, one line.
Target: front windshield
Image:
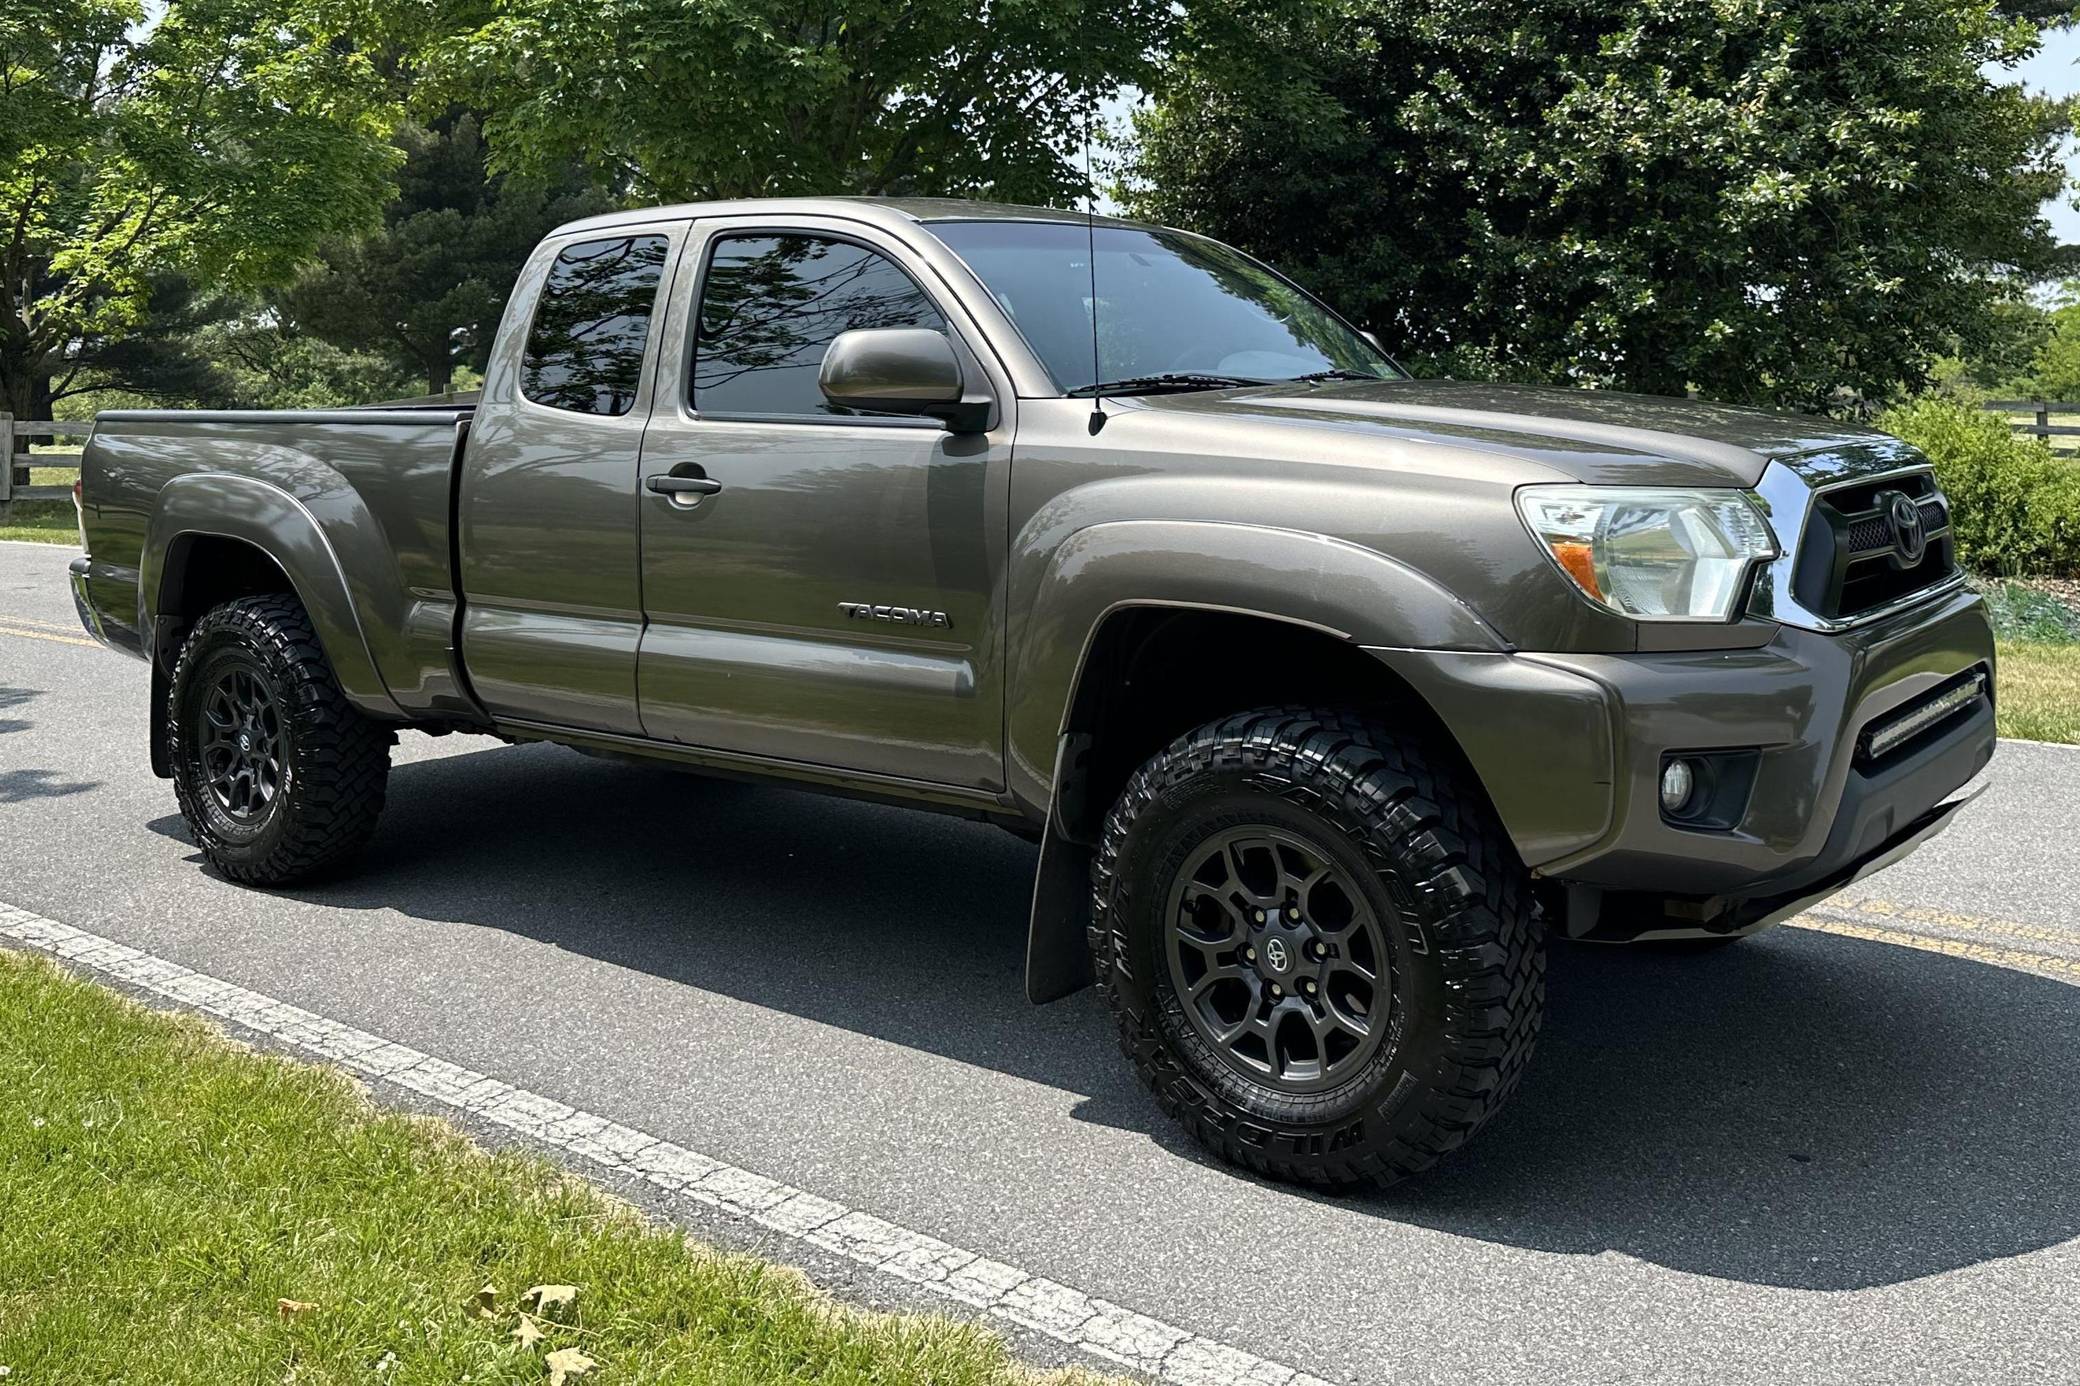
[(1169, 304)]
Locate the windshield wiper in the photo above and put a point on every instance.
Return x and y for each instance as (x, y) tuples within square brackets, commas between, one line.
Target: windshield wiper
[(1335, 373), (1167, 382)]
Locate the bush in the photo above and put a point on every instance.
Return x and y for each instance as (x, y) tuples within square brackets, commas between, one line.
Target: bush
[(2015, 507)]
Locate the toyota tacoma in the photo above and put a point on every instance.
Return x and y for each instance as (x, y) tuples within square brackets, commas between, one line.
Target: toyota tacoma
[(1329, 694)]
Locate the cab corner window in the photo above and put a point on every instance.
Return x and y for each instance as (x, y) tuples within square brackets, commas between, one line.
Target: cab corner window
[(771, 304), (585, 347)]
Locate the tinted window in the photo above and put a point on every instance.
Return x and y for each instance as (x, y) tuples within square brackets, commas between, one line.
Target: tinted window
[(771, 304), (1167, 302), (585, 349)]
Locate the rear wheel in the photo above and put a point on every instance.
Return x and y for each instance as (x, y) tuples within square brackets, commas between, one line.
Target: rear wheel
[(1321, 950), (278, 775)]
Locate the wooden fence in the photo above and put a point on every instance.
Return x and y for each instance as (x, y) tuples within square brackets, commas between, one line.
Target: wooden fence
[(14, 466), (2041, 425)]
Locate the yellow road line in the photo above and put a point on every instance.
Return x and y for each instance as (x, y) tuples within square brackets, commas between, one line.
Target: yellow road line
[(46, 635), (2022, 959), (10, 619), (1947, 919)]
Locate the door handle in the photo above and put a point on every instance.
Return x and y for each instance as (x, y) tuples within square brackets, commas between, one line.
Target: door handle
[(665, 484)]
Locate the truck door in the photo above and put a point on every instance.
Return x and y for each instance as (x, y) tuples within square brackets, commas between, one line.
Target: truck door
[(828, 596), (547, 503)]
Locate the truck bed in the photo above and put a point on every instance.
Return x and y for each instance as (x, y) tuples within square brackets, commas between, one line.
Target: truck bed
[(374, 487)]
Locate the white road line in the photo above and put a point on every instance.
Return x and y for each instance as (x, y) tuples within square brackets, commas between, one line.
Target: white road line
[(1061, 1312)]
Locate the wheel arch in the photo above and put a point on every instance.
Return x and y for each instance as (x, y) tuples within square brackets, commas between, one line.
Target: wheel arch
[(215, 537), (1145, 678)]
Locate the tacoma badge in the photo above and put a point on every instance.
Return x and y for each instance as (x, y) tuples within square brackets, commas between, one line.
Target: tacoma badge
[(901, 615)]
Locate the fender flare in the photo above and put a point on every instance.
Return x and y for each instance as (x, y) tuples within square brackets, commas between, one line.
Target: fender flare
[(1330, 585), (257, 513)]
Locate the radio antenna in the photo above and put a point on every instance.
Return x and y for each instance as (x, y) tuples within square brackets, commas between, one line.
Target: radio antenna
[(1090, 231)]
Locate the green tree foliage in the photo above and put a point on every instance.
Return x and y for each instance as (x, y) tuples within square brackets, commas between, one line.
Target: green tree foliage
[(672, 99), (2054, 372), (1802, 202), (426, 291), (221, 141)]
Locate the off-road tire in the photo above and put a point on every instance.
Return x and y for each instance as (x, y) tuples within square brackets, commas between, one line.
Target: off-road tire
[(335, 763), (1441, 876)]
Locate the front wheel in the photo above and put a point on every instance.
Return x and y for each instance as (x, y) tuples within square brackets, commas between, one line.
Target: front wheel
[(1321, 950), (279, 776)]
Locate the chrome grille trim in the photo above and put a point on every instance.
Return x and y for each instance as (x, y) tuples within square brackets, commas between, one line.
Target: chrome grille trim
[(1788, 499)]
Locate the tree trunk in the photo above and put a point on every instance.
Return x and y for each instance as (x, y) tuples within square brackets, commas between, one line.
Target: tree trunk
[(440, 373), (18, 382)]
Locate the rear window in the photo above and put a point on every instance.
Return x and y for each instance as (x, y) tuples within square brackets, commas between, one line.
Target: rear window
[(585, 349)]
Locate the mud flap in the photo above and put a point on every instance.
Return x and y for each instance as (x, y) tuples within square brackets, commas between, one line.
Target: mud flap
[(1058, 960), (162, 697)]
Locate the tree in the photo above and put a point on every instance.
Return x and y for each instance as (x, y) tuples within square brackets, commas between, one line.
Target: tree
[(221, 142), (1801, 202), (2054, 373), (426, 291), (667, 99)]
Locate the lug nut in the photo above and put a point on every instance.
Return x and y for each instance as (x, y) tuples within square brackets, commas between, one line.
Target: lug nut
[(1307, 985), (1276, 990), (1293, 913), (1260, 916), (1249, 954)]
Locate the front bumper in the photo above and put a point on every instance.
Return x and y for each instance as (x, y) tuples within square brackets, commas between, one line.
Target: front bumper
[(1571, 749)]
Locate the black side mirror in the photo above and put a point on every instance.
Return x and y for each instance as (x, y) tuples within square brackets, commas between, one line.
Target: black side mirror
[(903, 370)]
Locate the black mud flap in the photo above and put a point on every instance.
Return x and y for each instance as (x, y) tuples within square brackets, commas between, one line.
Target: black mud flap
[(1058, 961), (162, 699)]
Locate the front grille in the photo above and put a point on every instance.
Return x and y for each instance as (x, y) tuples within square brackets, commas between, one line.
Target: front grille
[(1853, 561)]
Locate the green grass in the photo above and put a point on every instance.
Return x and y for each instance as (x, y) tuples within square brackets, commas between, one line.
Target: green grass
[(46, 522), (2039, 690), (2037, 636), (162, 1190)]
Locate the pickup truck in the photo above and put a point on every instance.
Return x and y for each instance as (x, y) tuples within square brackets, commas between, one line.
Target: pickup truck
[(1329, 694)]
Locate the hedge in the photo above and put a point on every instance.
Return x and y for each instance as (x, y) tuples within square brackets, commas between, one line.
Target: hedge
[(2015, 508)]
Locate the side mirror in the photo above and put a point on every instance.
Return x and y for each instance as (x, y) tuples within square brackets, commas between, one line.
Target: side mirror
[(902, 370)]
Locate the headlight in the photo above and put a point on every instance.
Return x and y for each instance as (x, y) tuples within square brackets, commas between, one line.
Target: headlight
[(1651, 554)]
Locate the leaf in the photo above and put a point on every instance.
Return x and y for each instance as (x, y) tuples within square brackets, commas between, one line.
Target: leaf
[(527, 1332), (565, 1363), (547, 1297), (293, 1308), (484, 1299)]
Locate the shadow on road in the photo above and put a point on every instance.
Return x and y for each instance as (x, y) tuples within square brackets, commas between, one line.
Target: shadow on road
[(11, 698), (17, 785), (1801, 1111)]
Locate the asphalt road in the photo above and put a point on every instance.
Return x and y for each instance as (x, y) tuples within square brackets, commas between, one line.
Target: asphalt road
[(1812, 1157)]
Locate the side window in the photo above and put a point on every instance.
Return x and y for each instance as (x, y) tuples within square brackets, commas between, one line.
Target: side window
[(585, 348), (771, 304)]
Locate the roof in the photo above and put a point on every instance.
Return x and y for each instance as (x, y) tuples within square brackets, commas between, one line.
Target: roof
[(883, 209)]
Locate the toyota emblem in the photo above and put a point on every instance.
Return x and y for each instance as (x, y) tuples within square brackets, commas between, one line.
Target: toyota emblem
[(1909, 539)]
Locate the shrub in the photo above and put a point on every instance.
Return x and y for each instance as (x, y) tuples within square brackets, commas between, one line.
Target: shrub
[(2015, 507)]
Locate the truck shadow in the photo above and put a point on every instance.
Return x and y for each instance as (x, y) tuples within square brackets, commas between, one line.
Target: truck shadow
[(1802, 1111)]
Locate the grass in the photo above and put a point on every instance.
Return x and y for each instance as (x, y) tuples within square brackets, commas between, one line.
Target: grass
[(2037, 637), (163, 1190), (47, 522), (2039, 690)]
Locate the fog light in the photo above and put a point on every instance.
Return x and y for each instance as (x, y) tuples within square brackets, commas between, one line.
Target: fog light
[(1677, 780)]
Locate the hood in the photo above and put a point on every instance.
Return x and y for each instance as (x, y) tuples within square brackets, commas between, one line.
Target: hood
[(1594, 436)]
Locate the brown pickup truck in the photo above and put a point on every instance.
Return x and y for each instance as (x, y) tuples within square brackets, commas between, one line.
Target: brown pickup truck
[(1329, 694)]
